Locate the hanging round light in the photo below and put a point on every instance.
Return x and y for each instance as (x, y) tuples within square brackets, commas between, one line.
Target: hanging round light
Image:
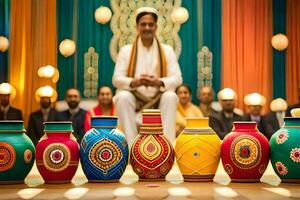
[(49, 71), (4, 43), (103, 15), (67, 47), (280, 42), (180, 15)]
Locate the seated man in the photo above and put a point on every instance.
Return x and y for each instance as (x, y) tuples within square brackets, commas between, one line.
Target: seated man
[(222, 122), (7, 112), (255, 103), (105, 106), (185, 108), (206, 97), (146, 76), (74, 113), (46, 96), (273, 120)]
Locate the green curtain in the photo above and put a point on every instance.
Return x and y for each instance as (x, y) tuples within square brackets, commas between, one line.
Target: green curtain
[(4, 31), (212, 37), (89, 33), (189, 37), (279, 26), (93, 34), (65, 30)]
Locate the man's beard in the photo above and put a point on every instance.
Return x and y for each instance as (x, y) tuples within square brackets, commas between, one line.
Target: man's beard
[(46, 105), (73, 104)]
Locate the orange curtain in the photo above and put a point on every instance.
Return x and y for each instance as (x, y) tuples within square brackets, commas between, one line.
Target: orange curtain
[(246, 48), (293, 51), (33, 44)]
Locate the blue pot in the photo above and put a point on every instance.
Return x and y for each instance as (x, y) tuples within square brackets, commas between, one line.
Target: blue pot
[(104, 150)]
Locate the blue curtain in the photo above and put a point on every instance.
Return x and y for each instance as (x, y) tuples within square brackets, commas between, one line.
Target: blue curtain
[(279, 26), (212, 37), (4, 31)]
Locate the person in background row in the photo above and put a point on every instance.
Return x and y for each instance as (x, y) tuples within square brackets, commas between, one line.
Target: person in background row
[(7, 112), (185, 108), (291, 107), (105, 106), (222, 122), (74, 113), (206, 97), (146, 76), (273, 120), (255, 103), (45, 96)]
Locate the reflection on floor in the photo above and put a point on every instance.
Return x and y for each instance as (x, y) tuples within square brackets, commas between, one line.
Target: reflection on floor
[(173, 188)]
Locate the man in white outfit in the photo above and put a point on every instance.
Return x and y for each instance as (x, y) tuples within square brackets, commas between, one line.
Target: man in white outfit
[(146, 76)]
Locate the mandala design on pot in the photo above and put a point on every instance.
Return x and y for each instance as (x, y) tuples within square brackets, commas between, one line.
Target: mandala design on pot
[(105, 154), (27, 156), (56, 157), (282, 137), (7, 156), (295, 155), (228, 169), (281, 168), (245, 152), (262, 169)]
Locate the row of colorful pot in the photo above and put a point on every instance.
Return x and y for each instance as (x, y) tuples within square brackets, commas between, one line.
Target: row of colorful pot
[(104, 151)]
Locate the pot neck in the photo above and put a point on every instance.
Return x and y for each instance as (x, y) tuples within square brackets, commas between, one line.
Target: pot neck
[(244, 126)]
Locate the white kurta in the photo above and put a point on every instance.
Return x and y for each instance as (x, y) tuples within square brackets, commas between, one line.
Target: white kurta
[(146, 63)]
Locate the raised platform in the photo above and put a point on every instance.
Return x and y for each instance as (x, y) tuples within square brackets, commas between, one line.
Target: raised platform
[(173, 188)]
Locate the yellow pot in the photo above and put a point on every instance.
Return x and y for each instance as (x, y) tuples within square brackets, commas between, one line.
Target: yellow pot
[(197, 150)]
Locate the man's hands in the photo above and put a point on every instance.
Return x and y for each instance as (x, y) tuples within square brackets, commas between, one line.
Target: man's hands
[(146, 80)]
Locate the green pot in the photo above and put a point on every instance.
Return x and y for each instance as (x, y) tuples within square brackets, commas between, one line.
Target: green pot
[(16, 152), (285, 150)]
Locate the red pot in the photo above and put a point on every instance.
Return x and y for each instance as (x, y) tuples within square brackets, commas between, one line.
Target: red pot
[(245, 153), (151, 155), (57, 155)]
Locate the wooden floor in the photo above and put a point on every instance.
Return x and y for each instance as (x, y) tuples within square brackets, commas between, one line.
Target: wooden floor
[(173, 188)]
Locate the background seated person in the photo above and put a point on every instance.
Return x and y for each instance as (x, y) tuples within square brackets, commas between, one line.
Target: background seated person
[(255, 103), (74, 113), (291, 107), (105, 106), (45, 96), (273, 120), (222, 122), (185, 108), (7, 112), (206, 97)]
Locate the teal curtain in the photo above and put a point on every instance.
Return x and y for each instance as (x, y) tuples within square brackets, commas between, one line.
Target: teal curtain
[(93, 34), (212, 36), (88, 33), (4, 31), (72, 23), (279, 26), (189, 38), (64, 31)]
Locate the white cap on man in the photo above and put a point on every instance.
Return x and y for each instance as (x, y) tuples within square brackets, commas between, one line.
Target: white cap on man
[(146, 10), (278, 104), (227, 94), (254, 99)]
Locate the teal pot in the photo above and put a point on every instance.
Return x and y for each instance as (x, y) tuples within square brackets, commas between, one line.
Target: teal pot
[(285, 150), (16, 152)]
